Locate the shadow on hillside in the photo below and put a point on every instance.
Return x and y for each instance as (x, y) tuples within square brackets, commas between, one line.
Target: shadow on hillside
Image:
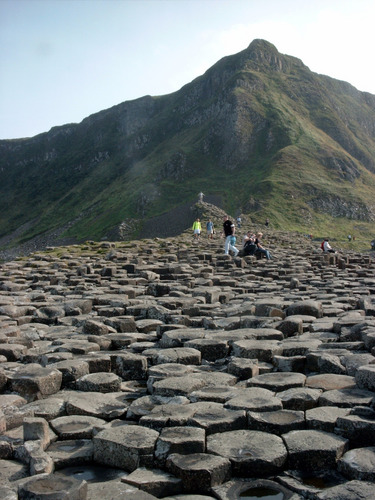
[(175, 221)]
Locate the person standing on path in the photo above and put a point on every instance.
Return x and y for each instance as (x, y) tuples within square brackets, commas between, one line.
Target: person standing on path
[(210, 229), (197, 227), (229, 231)]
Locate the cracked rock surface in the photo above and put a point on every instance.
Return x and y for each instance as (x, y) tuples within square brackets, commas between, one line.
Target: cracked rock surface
[(165, 369)]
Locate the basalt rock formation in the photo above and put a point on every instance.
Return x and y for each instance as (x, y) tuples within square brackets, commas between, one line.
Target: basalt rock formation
[(163, 368)]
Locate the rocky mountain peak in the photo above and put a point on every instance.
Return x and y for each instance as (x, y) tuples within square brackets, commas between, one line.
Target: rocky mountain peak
[(264, 53)]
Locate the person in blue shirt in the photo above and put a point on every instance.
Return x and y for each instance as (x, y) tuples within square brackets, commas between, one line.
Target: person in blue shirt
[(210, 229)]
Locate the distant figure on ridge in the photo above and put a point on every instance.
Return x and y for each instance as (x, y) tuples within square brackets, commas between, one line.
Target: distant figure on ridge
[(200, 197), (239, 222)]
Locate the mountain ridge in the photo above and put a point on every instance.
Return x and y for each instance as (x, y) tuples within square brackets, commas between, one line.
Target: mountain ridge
[(258, 129)]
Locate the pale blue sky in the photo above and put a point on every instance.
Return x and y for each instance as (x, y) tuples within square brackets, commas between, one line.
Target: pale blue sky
[(62, 60)]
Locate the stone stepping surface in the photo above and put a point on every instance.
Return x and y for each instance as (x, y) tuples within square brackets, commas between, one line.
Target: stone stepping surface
[(166, 369)]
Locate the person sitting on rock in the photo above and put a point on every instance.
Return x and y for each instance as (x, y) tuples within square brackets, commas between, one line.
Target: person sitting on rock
[(249, 246), (327, 247), (260, 250)]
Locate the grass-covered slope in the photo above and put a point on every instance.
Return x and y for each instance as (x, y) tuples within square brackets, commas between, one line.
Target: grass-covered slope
[(258, 129)]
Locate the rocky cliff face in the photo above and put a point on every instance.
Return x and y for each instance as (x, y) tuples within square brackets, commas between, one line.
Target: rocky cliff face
[(255, 127)]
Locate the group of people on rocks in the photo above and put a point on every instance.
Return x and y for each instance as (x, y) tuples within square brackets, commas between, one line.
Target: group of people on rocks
[(197, 229), (251, 243)]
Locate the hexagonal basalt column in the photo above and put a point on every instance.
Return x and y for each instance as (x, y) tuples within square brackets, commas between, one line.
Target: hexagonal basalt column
[(309, 450), (251, 453), (199, 472), (127, 447), (53, 487)]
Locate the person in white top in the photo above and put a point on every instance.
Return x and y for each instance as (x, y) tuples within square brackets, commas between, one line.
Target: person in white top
[(327, 247)]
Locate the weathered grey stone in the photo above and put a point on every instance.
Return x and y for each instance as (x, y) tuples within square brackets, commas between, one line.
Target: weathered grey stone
[(210, 349), (177, 386), (116, 490), (254, 399), (250, 452), (359, 429), (49, 408), (243, 368), (308, 484), (214, 418), (199, 472), (182, 440), (257, 349), (290, 364), (276, 422), (309, 450), (149, 325), (168, 416), (365, 377), (71, 370), (346, 398), (121, 323), (96, 404), (183, 355), (353, 361), (278, 381), (14, 409), (36, 428), (216, 394), (165, 370), (300, 347), (3, 379), (98, 362), (11, 472), (349, 491), (324, 418), (93, 327), (99, 382), (130, 366), (76, 426), (146, 404), (299, 398), (126, 447), (32, 454), (305, 307), (71, 452), (330, 381), (7, 493), (155, 482), (34, 381), (359, 464), (13, 352), (52, 487), (49, 314), (177, 338), (291, 326), (253, 489)]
